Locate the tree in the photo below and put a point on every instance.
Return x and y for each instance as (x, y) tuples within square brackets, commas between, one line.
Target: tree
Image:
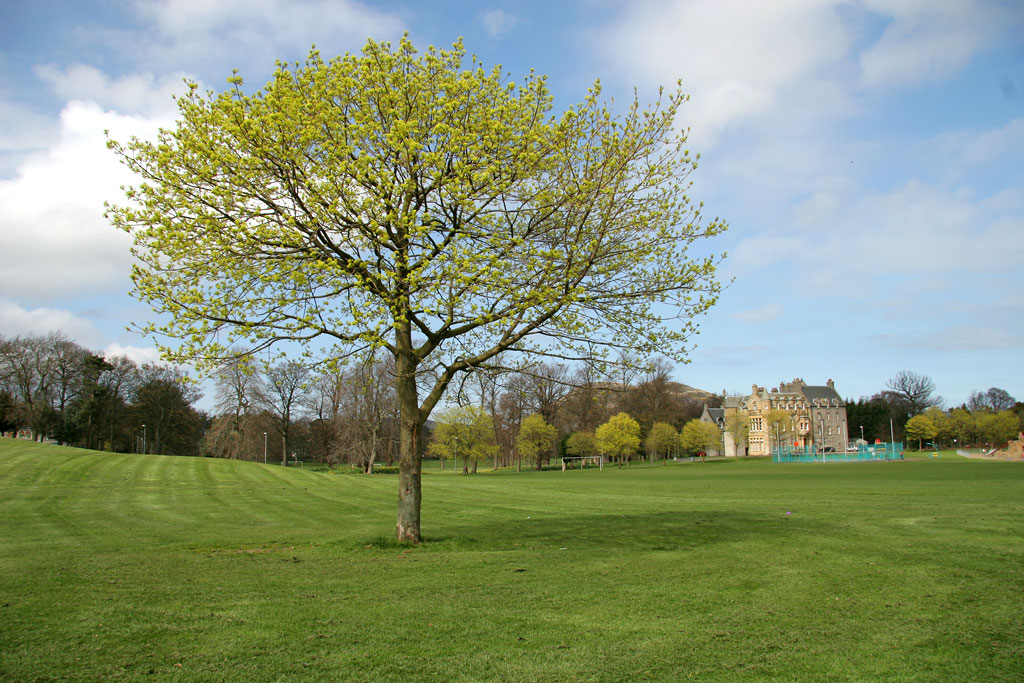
[(916, 391), (466, 432), (995, 399), (660, 440), (921, 427), (238, 430), (367, 412), (163, 402), (779, 422), (699, 437), (536, 438), (283, 396), (737, 426), (619, 437), (997, 428), (581, 444), (407, 203)]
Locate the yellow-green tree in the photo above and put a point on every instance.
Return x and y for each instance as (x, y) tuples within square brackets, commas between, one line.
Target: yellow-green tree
[(660, 441), (920, 427), (581, 444), (779, 423), (737, 426), (465, 432), (536, 439), (619, 438), (699, 437), (419, 204)]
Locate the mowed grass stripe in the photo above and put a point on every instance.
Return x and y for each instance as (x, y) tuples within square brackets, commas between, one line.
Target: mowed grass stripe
[(240, 571)]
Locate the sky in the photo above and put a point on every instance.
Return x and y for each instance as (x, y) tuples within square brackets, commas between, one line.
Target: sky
[(868, 156)]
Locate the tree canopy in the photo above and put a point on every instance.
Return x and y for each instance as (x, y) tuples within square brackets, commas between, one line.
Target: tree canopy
[(697, 436), (619, 437), (410, 202), (536, 438)]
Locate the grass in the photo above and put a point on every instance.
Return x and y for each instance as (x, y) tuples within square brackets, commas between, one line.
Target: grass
[(120, 567)]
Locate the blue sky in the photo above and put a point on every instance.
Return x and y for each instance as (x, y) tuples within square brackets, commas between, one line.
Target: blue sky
[(867, 154)]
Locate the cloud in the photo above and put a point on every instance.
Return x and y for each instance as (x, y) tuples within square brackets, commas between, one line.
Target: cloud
[(234, 33), (22, 132), (139, 354), (954, 338), (916, 228), (131, 93), (930, 40), (18, 320), (497, 22), (734, 57), (54, 238)]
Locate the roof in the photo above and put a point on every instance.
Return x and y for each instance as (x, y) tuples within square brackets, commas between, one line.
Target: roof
[(827, 393)]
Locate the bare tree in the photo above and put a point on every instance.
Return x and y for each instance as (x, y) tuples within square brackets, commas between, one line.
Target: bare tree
[(585, 406), (366, 418), (282, 396), (914, 390), (995, 399)]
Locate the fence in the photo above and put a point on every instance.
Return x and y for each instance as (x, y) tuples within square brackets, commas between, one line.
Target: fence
[(864, 453)]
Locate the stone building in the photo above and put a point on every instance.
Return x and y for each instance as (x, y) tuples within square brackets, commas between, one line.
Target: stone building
[(794, 414)]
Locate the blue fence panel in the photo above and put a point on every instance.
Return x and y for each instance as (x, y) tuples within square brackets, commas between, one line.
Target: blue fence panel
[(864, 453)]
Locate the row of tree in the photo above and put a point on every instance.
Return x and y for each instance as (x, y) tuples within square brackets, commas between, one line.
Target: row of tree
[(53, 388), (333, 412), (468, 432), (910, 408)]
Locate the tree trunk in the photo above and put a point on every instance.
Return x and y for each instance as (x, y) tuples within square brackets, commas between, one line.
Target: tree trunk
[(410, 494)]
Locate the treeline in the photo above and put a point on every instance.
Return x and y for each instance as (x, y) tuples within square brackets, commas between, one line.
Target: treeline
[(53, 388), (529, 417), (909, 409)]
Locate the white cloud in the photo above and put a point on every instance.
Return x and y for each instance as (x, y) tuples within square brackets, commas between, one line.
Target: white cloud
[(734, 57), (17, 320), (131, 93), (1005, 141), (497, 22), (929, 40), (916, 229), (55, 240), (22, 132), (139, 354), (235, 32)]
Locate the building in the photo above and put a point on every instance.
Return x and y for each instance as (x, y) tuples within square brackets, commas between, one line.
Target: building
[(794, 414)]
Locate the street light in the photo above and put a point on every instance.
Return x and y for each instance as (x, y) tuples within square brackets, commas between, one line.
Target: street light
[(264, 448), (143, 439), (862, 432)]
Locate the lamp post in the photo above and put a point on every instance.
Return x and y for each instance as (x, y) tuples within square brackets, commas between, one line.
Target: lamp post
[(862, 432), (264, 448), (143, 439)]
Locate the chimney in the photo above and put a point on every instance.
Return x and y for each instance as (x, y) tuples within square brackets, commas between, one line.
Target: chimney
[(831, 384)]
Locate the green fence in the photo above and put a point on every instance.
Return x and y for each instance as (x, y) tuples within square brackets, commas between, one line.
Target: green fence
[(864, 453)]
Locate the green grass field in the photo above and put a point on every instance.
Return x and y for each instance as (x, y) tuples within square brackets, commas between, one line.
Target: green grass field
[(122, 567)]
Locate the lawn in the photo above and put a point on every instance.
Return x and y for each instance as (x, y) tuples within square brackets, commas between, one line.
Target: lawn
[(118, 567)]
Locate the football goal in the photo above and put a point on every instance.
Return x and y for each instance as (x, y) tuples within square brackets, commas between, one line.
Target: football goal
[(569, 461)]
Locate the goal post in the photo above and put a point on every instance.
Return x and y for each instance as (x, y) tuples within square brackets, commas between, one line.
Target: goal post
[(568, 461)]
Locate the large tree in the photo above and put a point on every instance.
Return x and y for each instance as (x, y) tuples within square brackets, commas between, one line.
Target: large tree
[(914, 391), (410, 202)]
